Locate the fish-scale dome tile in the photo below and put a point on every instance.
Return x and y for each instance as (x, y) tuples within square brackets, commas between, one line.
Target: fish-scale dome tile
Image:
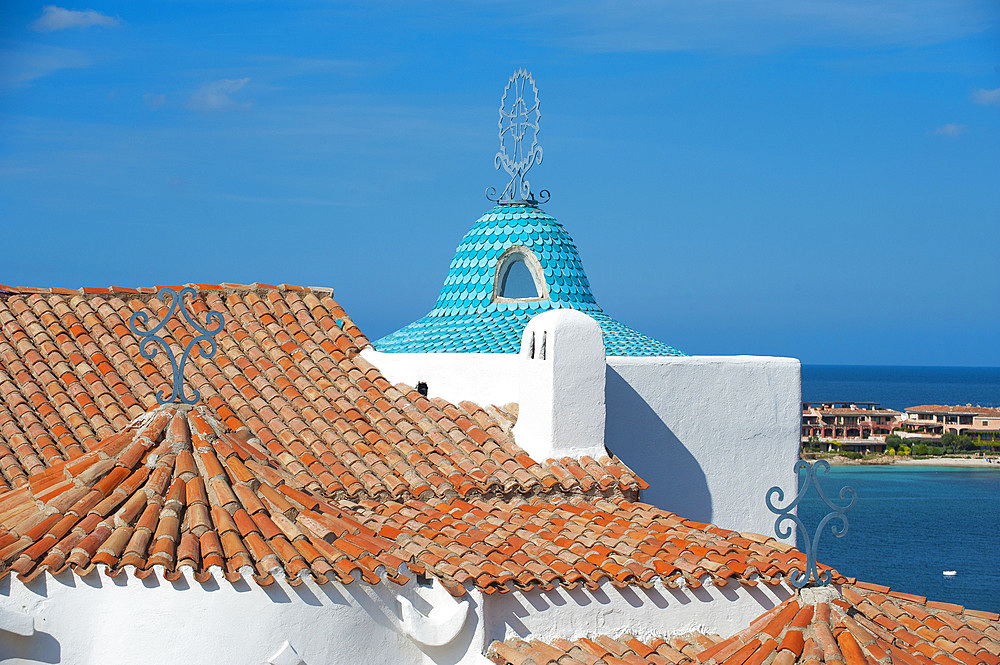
[(465, 318)]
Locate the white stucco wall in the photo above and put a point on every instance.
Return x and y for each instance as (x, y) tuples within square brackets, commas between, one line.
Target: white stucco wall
[(561, 396), (483, 378), (644, 613), (710, 434), (101, 621)]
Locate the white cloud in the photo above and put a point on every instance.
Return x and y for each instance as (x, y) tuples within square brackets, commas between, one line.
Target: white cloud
[(951, 129), (987, 97), (216, 96), (57, 18), (22, 66), (153, 100)]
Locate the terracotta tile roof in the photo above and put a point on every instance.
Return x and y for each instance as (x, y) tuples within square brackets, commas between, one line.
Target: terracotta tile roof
[(867, 625), (287, 368), (863, 626), (180, 490), (851, 412), (177, 490), (969, 410), (602, 650), (570, 541)]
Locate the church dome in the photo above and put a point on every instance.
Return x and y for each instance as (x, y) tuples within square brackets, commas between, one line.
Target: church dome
[(516, 261)]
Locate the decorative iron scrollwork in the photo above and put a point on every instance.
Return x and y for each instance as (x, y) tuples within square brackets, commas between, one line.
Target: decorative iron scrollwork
[(150, 343), (787, 517), (519, 149)]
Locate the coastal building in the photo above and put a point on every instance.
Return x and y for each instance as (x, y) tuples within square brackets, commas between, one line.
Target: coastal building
[(936, 419), (235, 473), (866, 423)]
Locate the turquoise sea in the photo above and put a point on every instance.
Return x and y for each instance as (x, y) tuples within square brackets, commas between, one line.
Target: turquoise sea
[(900, 387), (912, 523)]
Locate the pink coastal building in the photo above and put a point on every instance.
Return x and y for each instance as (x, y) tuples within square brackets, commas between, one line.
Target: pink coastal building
[(847, 420), (980, 422)]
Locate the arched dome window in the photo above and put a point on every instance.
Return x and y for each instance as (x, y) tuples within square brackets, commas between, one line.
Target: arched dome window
[(519, 276)]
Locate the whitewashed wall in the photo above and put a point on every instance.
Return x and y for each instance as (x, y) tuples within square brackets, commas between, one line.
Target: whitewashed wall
[(710, 434), (562, 392), (99, 621), (644, 613), (483, 378)]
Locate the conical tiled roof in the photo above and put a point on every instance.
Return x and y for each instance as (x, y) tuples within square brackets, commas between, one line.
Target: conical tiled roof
[(467, 319), (177, 490)]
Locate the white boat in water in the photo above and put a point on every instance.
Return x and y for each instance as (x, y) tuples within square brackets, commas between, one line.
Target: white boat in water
[(949, 573)]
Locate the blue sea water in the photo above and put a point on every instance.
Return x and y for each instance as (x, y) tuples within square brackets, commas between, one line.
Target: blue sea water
[(900, 387), (912, 523)]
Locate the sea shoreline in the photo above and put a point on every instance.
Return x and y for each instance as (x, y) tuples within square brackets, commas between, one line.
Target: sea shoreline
[(966, 462)]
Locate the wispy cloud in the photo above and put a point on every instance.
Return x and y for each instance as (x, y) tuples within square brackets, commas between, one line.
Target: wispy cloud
[(153, 100), (22, 66), (57, 18), (951, 129), (987, 97), (217, 96)]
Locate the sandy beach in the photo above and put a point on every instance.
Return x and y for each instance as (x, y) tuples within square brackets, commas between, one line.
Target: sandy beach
[(949, 461), (972, 462)]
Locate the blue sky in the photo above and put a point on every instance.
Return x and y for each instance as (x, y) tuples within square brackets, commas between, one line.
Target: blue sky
[(808, 178)]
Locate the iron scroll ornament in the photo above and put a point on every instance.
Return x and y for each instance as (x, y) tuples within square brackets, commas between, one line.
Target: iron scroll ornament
[(787, 516), (151, 343), (518, 133)]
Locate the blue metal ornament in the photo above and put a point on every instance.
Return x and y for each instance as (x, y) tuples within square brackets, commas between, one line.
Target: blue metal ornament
[(787, 516), (149, 341)]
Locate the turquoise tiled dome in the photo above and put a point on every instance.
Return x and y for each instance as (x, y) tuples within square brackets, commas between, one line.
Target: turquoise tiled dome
[(467, 318)]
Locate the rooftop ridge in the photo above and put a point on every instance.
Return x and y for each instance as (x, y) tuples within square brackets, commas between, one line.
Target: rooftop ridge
[(922, 600), (153, 290)]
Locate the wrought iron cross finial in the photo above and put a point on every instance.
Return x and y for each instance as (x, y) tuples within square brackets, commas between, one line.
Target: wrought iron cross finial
[(788, 516), (519, 149), (149, 340)]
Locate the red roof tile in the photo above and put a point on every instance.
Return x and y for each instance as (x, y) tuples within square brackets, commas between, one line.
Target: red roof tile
[(940, 408), (287, 369), (571, 541), (601, 650), (177, 489)]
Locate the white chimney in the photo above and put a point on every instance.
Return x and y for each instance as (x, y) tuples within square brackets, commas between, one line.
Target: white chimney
[(561, 405)]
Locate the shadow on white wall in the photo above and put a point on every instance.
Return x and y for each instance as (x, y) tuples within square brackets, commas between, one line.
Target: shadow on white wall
[(638, 436)]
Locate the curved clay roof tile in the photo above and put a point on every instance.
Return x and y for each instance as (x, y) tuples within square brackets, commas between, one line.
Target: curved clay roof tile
[(177, 489)]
